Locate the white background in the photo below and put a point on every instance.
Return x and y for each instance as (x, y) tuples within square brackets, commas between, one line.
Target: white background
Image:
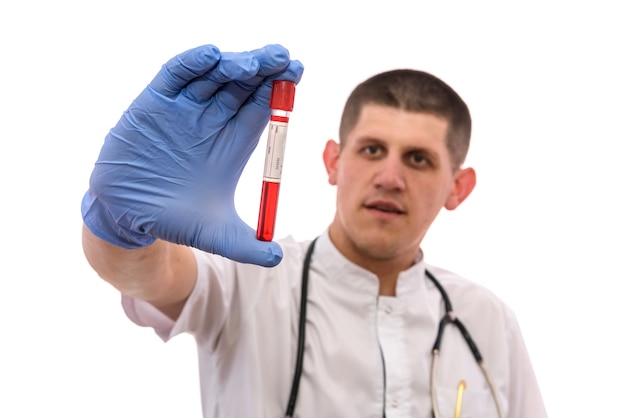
[(544, 228)]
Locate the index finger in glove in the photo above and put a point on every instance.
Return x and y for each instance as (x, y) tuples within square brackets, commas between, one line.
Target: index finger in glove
[(272, 59), (261, 97), (232, 68), (183, 68), (235, 85)]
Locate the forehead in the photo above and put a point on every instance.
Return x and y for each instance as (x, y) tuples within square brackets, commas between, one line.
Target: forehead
[(390, 124)]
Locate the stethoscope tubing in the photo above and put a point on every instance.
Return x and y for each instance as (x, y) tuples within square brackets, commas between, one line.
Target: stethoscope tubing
[(449, 318), (291, 405)]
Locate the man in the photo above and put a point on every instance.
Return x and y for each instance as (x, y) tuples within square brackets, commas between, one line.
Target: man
[(161, 227)]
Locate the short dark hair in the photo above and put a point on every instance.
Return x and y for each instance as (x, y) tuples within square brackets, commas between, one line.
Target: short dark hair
[(414, 91)]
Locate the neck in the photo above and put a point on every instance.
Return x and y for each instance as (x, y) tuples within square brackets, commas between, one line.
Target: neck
[(385, 260), (385, 263), (387, 272), (387, 285)]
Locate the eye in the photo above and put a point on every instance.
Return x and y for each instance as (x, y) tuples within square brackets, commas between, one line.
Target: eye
[(372, 150), (419, 159)]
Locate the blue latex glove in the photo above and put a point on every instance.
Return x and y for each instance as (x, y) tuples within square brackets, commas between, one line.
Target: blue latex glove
[(170, 166)]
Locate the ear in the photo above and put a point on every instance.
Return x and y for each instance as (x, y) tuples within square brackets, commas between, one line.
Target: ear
[(331, 157), (464, 182)]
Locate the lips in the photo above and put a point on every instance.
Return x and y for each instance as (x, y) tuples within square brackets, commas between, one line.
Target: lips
[(386, 206)]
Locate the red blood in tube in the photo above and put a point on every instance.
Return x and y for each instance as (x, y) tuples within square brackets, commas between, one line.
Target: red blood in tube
[(267, 213), (281, 103)]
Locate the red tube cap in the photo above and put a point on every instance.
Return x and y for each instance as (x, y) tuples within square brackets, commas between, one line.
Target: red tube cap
[(283, 93)]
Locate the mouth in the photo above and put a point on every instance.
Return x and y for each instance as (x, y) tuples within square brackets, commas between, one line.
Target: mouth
[(385, 207)]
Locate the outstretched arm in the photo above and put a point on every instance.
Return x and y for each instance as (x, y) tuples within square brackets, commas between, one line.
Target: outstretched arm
[(165, 178), (162, 273)]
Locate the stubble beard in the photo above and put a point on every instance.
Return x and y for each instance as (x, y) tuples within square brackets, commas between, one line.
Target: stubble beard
[(377, 248)]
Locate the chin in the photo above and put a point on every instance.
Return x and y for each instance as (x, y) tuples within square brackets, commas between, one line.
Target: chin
[(379, 247)]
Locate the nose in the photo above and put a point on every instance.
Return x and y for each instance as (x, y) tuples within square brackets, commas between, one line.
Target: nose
[(390, 174)]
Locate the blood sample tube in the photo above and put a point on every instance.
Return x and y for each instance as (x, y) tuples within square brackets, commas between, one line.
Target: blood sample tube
[(281, 105)]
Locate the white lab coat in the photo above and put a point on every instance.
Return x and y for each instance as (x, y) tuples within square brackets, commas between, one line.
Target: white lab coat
[(364, 354)]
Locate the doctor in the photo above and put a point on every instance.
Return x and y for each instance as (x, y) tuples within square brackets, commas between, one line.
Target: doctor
[(160, 226)]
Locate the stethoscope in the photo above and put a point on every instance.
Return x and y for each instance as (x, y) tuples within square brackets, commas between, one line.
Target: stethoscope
[(449, 318)]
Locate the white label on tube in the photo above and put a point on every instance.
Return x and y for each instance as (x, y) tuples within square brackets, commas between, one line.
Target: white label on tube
[(276, 141)]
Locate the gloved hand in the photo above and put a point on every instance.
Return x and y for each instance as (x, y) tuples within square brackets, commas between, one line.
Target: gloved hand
[(170, 166)]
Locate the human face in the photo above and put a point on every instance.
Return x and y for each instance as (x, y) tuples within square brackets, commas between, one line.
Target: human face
[(393, 176)]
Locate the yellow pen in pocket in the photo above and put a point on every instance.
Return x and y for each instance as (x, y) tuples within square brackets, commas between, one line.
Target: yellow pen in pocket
[(459, 398)]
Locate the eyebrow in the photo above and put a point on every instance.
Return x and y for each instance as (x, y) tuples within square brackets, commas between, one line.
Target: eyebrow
[(431, 153), (369, 140)]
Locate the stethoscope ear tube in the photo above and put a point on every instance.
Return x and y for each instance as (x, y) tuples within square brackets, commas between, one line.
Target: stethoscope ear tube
[(470, 342)]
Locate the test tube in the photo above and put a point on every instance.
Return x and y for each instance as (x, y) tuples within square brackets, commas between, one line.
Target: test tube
[(281, 105)]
